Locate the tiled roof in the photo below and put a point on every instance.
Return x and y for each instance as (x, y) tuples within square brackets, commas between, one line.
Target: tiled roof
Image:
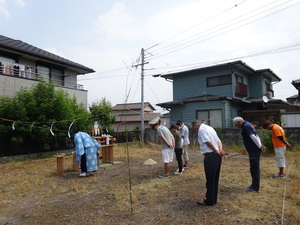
[(21, 47), (131, 106), (136, 117)]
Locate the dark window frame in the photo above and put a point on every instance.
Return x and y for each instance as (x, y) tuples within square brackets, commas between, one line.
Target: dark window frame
[(209, 115), (56, 82), (219, 80), (10, 57)]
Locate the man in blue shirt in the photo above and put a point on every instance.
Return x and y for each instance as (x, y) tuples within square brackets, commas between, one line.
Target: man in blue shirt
[(254, 148)]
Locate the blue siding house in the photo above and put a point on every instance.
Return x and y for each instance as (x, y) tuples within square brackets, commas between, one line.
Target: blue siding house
[(216, 94)]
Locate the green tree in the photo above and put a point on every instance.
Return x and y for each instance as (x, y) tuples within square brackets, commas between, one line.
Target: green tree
[(101, 111), (32, 112)]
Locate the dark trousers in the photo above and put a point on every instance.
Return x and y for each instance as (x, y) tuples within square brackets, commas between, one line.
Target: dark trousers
[(212, 167), (178, 153), (83, 163), (254, 159)]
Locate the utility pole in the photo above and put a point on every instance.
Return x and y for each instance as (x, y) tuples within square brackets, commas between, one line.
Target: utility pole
[(142, 96), (142, 93)]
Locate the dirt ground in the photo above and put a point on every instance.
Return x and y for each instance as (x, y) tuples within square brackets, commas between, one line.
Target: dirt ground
[(33, 193)]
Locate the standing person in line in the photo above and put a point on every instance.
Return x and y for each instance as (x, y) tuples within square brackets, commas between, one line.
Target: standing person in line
[(184, 130), (168, 144), (254, 148), (86, 150), (178, 147), (212, 149), (279, 144)]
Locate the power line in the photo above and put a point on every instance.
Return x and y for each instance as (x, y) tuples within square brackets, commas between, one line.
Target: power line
[(179, 46), (285, 48), (205, 33), (193, 43), (215, 16)]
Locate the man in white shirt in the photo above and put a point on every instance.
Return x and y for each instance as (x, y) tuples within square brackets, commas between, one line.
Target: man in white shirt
[(212, 149), (184, 130)]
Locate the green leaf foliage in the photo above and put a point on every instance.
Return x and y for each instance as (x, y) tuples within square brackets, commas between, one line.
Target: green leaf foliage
[(101, 111), (33, 111)]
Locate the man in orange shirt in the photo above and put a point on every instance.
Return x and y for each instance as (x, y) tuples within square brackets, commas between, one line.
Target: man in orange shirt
[(279, 144)]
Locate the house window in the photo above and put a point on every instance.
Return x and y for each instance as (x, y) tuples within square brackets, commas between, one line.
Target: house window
[(218, 81), (54, 74), (6, 65), (44, 72), (269, 91), (7, 59), (57, 77), (239, 79), (240, 88), (210, 117)]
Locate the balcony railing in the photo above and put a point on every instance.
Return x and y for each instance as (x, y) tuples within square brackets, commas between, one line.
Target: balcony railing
[(26, 72), (241, 89)]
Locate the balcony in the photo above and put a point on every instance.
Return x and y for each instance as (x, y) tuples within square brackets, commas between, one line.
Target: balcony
[(241, 89), (26, 72), (13, 80)]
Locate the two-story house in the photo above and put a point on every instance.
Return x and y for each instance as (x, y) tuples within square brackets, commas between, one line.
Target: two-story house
[(128, 116), (23, 65), (292, 118), (295, 99), (216, 94)]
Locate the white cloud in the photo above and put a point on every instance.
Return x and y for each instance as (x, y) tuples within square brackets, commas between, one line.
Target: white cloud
[(20, 3), (117, 24), (3, 10)]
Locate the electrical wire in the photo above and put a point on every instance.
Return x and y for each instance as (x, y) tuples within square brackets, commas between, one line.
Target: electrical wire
[(203, 32), (285, 48), (210, 18), (219, 32)]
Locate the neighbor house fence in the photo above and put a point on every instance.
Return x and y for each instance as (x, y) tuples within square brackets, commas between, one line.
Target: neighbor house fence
[(229, 136)]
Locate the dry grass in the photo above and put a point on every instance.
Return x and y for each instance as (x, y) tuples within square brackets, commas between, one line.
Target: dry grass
[(32, 192)]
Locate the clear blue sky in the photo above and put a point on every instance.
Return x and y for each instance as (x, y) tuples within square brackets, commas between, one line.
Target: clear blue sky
[(108, 35)]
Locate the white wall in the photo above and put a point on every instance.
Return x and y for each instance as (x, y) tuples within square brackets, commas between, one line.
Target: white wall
[(9, 85), (291, 120)]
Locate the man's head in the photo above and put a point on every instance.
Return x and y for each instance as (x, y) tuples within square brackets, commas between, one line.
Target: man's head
[(155, 126), (195, 125), (238, 121), (174, 128), (179, 123), (267, 125)]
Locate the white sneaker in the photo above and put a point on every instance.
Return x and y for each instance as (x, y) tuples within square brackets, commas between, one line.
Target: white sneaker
[(178, 173), (178, 170), (84, 174)]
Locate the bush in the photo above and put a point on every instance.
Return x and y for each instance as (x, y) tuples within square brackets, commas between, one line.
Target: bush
[(266, 139), (27, 118)]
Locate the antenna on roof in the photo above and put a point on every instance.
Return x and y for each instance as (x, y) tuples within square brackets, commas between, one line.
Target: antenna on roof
[(265, 99)]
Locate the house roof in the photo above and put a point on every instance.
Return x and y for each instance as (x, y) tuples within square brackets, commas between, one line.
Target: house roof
[(296, 84), (202, 98), (269, 74), (293, 97), (131, 106), (136, 117), (237, 65), (205, 98), (21, 48)]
